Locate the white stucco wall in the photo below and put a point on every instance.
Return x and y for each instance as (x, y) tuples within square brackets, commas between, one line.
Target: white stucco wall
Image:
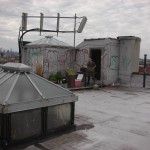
[(109, 57), (52, 59), (113, 59), (119, 57), (129, 57)]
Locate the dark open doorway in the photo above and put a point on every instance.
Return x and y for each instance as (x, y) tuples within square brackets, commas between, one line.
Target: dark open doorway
[(95, 54)]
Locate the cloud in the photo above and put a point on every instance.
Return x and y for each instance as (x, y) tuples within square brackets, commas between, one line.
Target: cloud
[(109, 18)]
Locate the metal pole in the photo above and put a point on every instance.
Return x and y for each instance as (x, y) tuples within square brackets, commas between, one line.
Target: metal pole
[(19, 47), (74, 43), (74, 31), (20, 38), (144, 75)]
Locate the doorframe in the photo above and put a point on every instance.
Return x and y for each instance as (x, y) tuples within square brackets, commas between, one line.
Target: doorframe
[(100, 62)]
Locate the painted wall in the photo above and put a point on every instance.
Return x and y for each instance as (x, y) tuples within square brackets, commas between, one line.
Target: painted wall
[(113, 63), (129, 57), (119, 58), (109, 57), (52, 59)]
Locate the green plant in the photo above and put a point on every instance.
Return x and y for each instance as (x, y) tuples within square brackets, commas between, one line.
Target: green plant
[(56, 77), (59, 75), (52, 77), (69, 71)]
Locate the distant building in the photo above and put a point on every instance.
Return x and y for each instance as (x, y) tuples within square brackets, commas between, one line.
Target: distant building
[(8, 56), (141, 66)]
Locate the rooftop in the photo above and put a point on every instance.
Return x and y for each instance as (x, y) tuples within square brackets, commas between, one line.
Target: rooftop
[(111, 118)]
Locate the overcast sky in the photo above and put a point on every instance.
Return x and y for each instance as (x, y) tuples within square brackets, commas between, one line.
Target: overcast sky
[(106, 18)]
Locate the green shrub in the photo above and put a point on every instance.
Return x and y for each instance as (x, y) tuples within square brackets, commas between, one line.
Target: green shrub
[(52, 77), (56, 76), (59, 75), (69, 71)]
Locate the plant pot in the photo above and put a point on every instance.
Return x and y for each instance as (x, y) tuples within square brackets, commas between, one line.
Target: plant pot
[(71, 81)]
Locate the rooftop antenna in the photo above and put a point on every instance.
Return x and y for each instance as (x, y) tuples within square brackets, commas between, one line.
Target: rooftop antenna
[(23, 29), (82, 24)]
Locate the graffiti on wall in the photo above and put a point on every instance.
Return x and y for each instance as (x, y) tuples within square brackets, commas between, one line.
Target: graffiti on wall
[(51, 59), (82, 56), (109, 63), (125, 63), (55, 60), (114, 62), (37, 58), (104, 59)]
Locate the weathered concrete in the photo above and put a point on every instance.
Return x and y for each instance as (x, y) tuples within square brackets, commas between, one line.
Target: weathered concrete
[(107, 119)]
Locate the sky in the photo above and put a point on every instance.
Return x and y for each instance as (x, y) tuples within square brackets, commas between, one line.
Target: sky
[(106, 18)]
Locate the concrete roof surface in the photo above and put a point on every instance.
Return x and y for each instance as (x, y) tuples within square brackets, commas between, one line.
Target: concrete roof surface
[(113, 118)]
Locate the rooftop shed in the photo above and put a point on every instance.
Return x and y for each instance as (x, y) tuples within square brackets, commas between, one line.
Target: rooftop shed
[(31, 106), (116, 58), (52, 54)]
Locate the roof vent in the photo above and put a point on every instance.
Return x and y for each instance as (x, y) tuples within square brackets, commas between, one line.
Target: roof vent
[(16, 67)]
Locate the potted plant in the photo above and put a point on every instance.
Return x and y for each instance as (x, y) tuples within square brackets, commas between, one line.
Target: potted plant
[(59, 76), (69, 71), (52, 77), (71, 76)]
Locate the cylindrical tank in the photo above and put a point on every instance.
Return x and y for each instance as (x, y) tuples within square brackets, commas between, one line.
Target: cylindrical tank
[(128, 57)]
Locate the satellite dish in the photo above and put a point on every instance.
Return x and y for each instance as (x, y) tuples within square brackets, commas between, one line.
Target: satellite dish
[(82, 24)]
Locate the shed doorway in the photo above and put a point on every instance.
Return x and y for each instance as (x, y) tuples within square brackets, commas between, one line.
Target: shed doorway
[(95, 54)]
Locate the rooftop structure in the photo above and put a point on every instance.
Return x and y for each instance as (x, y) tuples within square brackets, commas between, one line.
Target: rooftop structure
[(32, 104)]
